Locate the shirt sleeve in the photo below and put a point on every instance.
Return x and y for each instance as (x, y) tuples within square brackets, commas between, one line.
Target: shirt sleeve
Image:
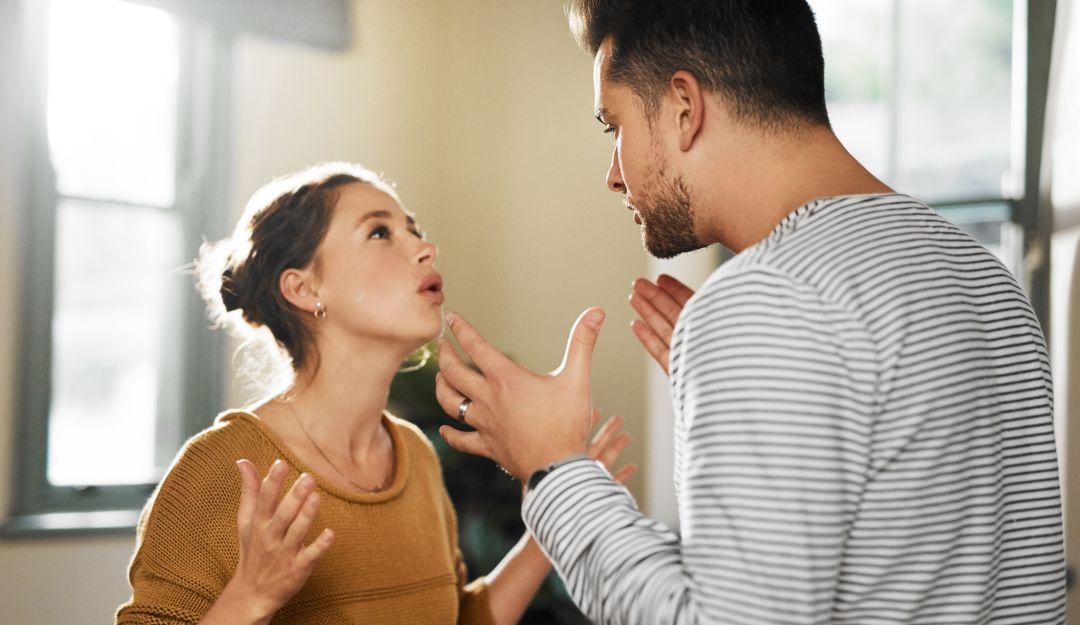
[(771, 388)]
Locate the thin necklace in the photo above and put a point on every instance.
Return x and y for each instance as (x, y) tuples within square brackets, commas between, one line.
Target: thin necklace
[(366, 489)]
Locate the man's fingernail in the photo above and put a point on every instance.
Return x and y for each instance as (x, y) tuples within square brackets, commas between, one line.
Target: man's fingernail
[(450, 319)]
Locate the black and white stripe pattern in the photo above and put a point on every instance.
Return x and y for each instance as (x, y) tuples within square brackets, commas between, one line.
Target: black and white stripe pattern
[(863, 435)]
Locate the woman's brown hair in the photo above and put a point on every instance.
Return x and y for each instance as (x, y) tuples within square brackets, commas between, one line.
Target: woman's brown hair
[(281, 228)]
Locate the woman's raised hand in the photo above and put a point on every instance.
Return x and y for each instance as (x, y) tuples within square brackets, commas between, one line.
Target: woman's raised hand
[(659, 306), (608, 442), (274, 561)]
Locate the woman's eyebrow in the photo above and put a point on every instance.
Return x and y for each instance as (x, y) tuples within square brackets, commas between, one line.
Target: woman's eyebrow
[(376, 214)]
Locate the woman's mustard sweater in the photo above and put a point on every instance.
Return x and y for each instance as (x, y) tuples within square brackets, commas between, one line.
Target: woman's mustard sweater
[(395, 557)]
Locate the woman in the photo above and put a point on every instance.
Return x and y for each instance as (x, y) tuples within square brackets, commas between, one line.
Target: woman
[(338, 513)]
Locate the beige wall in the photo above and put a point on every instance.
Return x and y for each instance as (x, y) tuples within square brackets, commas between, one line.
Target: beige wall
[(482, 113)]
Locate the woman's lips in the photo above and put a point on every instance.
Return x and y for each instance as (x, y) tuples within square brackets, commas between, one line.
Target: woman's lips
[(431, 288)]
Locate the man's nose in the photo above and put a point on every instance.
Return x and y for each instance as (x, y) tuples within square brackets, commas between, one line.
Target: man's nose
[(614, 174)]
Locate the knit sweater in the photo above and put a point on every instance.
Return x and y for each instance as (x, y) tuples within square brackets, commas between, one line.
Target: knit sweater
[(395, 557)]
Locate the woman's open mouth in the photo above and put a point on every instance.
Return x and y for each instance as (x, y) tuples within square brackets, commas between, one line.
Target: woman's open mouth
[(431, 288)]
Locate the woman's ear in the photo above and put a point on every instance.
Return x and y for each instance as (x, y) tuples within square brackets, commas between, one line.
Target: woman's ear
[(689, 109), (296, 287)]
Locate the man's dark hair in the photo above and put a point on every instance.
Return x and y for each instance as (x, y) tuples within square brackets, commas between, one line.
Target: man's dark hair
[(762, 56)]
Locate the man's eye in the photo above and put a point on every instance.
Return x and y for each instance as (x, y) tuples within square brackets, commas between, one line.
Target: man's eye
[(380, 232)]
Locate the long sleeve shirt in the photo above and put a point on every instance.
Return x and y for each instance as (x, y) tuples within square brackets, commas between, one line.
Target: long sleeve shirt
[(863, 434)]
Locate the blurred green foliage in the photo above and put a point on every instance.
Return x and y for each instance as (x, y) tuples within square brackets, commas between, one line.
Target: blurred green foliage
[(487, 500)]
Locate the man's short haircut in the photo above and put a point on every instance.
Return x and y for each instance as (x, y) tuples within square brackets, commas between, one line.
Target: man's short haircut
[(763, 57)]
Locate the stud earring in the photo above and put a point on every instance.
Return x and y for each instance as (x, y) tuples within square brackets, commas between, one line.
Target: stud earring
[(320, 311)]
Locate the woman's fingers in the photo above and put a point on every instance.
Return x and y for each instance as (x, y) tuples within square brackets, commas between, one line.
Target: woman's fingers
[(604, 435), (286, 513), (269, 491), (249, 492), (311, 554), (608, 443), (624, 473), (303, 519)]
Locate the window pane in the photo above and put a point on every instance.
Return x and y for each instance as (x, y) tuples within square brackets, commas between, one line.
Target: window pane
[(115, 367), (991, 226), (920, 91), (855, 39), (955, 98), (112, 101)]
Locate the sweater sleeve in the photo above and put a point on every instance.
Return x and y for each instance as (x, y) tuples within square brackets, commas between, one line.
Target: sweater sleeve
[(475, 603), (186, 542), (769, 385)]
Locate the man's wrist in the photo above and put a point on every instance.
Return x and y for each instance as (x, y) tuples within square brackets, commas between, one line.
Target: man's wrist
[(534, 478)]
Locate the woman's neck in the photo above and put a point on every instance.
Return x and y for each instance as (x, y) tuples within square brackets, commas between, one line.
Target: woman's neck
[(340, 399)]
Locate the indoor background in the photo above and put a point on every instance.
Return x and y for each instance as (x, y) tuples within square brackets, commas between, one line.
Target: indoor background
[(481, 112)]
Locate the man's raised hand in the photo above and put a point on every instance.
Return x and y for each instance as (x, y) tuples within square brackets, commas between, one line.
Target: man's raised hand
[(523, 420), (658, 305)]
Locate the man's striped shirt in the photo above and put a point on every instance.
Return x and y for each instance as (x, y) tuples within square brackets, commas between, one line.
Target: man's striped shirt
[(863, 434)]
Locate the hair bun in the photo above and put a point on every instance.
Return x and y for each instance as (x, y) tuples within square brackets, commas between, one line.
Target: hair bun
[(230, 291)]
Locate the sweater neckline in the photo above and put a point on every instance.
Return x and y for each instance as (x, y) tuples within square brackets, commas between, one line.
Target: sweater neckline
[(401, 459)]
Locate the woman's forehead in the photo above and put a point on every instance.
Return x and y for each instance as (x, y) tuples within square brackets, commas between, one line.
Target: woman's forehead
[(359, 199)]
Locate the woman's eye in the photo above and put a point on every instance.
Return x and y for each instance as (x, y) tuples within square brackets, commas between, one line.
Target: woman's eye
[(380, 232)]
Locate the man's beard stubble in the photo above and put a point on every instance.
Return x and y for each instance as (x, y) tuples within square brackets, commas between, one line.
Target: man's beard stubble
[(667, 217)]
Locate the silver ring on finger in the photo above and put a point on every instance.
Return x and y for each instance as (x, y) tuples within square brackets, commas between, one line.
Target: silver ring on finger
[(463, 407)]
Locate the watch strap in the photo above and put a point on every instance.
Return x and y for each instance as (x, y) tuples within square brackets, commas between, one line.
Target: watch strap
[(542, 472)]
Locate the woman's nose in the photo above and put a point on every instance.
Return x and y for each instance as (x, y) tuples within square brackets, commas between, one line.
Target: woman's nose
[(427, 252)]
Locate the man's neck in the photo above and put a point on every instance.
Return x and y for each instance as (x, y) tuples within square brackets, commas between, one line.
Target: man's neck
[(779, 175)]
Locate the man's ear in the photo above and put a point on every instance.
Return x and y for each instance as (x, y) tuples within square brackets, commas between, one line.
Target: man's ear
[(689, 107), (296, 286)]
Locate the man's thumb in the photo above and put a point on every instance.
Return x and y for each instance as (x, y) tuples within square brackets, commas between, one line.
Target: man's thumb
[(583, 336)]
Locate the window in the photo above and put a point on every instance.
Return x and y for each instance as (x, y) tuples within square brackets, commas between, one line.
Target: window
[(944, 99), (119, 366)]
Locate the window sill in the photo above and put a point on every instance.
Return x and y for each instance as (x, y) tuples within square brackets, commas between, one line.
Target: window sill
[(50, 524)]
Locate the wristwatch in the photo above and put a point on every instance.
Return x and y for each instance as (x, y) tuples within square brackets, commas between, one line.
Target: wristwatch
[(542, 472)]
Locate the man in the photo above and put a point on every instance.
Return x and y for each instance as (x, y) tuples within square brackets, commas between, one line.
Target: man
[(862, 395)]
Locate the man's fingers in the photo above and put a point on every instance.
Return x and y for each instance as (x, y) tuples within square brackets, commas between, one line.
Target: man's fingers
[(249, 491), (652, 343), (468, 442), (677, 290), (655, 305), (458, 374), (648, 312), (450, 399), (582, 342), (475, 346)]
